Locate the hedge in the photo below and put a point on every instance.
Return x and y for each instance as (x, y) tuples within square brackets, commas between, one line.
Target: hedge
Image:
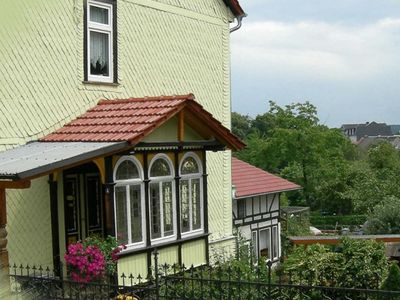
[(317, 220)]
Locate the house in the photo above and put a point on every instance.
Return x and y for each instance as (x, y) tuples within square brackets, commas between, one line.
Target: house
[(357, 131), (256, 207), (89, 145), (366, 142)]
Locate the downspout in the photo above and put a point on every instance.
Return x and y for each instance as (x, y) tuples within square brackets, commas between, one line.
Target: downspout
[(239, 23)]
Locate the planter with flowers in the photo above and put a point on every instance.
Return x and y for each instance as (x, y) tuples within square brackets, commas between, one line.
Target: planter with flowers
[(93, 260)]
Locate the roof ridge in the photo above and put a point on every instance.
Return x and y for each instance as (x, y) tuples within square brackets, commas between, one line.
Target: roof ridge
[(146, 98)]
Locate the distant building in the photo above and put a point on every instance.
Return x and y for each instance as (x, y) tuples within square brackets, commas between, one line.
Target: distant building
[(256, 208), (366, 142), (357, 131)]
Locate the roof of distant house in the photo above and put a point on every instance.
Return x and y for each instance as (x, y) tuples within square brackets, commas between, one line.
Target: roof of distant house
[(251, 181), (134, 118)]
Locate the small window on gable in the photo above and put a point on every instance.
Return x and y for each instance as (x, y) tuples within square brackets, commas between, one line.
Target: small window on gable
[(100, 40)]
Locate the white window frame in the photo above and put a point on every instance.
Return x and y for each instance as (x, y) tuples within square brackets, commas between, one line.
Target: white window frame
[(101, 28), (127, 183), (160, 180), (190, 177), (275, 245)]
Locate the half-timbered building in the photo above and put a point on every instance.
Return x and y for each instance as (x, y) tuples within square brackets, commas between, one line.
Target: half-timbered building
[(256, 207)]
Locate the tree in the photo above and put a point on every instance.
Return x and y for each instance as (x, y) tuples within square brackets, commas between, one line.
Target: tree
[(392, 282), (354, 264), (385, 217), (241, 125), (290, 142)]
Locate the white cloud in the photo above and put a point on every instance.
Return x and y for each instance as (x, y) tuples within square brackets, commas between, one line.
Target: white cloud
[(320, 50)]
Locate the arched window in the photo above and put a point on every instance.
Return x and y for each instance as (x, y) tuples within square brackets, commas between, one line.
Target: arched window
[(129, 201), (191, 194), (162, 199)]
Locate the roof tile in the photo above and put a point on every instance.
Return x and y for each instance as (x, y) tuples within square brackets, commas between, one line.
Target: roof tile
[(250, 180), (134, 118)]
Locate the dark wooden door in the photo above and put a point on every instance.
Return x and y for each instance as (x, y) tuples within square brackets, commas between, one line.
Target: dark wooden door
[(83, 206)]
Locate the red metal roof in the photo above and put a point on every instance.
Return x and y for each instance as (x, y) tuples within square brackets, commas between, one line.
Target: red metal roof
[(251, 181), (134, 118)]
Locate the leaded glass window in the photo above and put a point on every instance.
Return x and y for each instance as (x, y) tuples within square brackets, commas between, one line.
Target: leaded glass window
[(191, 198), (162, 207), (129, 202)]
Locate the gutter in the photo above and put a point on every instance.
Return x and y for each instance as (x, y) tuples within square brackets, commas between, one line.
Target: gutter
[(239, 23)]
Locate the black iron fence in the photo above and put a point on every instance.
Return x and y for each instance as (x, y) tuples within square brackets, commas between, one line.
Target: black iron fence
[(224, 281)]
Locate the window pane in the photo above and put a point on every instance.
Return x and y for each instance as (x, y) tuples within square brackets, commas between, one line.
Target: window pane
[(254, 243), (121, 212), (127, 170), (155, 210), (241, 204), (98, 14), (265, 245), (189, 166), (136, 213), (196, 208), (99, 53), (184, 187), (275, 241), (160, 168), (167, 202)]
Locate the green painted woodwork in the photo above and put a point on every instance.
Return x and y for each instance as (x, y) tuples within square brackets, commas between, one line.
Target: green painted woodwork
[(165, 47), (194, 253), (167, 256), (135, 265), (168, 132), (29, 209)]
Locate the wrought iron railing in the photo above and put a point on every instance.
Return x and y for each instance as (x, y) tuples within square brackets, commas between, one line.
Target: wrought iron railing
[(224, 282)]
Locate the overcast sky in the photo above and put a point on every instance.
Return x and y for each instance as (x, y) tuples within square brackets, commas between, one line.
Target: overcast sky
[(343, 56)]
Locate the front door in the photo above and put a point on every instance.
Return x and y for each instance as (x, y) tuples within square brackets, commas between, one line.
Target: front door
[(83, 205)]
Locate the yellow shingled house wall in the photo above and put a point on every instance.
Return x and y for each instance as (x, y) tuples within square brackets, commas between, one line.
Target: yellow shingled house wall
[(165, 47)]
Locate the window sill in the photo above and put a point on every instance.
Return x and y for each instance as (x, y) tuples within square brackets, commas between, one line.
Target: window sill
[(100, 83), (151, 248)]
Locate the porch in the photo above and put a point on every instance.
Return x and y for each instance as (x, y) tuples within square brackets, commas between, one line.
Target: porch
[(135, 169)]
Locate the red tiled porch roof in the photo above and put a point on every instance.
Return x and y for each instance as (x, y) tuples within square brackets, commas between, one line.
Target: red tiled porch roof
[(134, 118), (251, 181)]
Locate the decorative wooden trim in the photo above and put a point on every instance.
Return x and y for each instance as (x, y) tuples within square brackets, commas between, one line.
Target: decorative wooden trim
[(54, 223), (3, 233), (147, 207), (178, 204), (99, 162), (205, 205), (149, 250), (20, 184), (109, 197), (181, 126)]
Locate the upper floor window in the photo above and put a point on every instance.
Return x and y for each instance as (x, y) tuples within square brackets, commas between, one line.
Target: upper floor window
[(100, 41), (129, 202), (162, 200), (191, 194)]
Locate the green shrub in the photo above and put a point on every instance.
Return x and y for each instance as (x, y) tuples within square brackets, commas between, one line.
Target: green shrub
[(354, 264), (317, 220), (392, 282)]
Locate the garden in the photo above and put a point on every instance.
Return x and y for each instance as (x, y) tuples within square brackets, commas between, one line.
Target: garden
[(354, 269)]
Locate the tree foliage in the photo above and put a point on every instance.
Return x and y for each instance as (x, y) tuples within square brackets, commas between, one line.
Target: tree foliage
[(290, 141), (336, 177), (355, 264)]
